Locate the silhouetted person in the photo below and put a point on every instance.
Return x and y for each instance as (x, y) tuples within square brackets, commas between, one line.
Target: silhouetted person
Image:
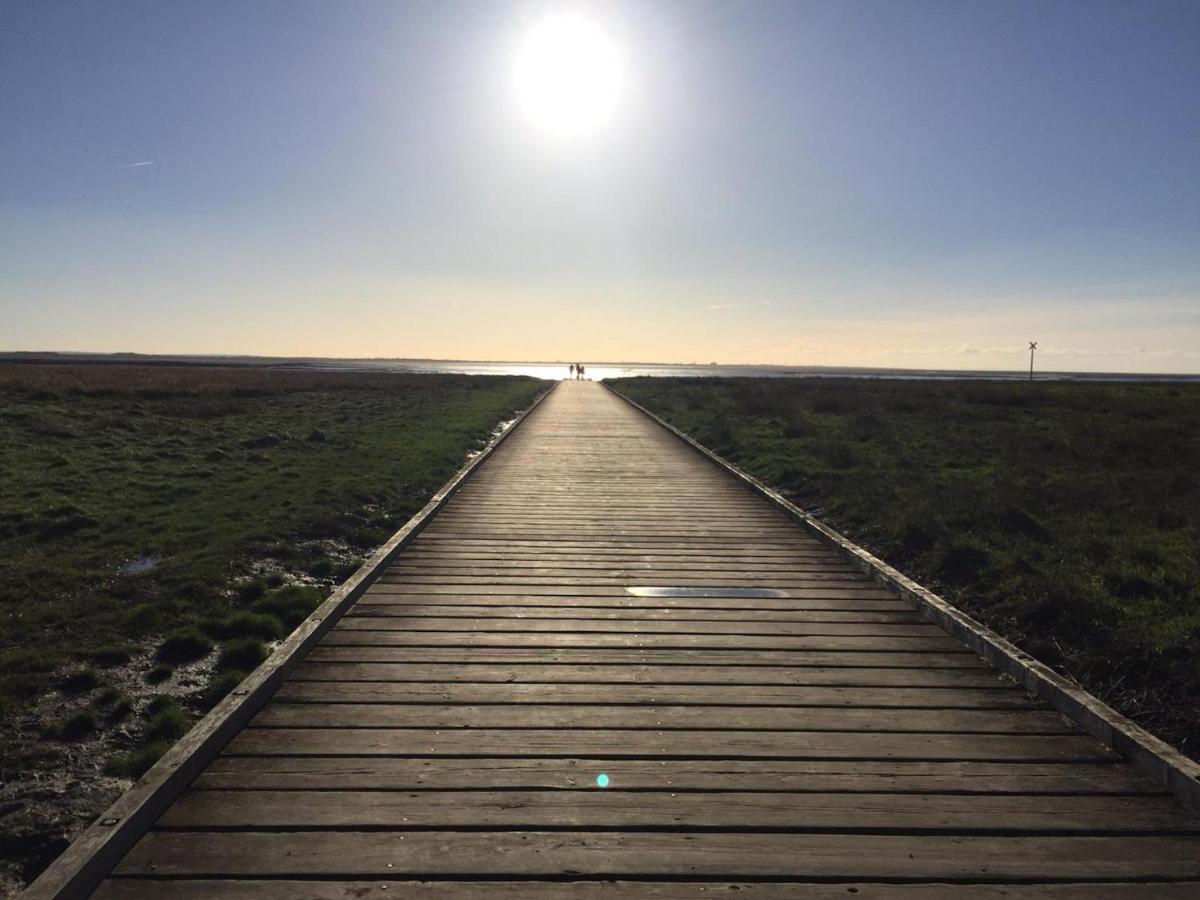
[(572, 370), (579, 370)]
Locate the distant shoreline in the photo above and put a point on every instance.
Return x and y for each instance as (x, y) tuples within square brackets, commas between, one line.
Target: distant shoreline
[(555, 369)]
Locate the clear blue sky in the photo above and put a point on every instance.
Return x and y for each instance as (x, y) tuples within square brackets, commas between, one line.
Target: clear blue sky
[(850, 182)]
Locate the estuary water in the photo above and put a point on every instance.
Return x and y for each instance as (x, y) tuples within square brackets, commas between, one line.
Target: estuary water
[(602, 370), (595, 371)]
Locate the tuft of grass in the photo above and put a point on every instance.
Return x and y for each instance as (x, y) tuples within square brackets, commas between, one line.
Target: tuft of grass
[(135, 763), (113, 655), (120, 710), (113, 703), (322, 568), (167, 723), (184, 645), (250, 624), (159, 673), (241, 654), (141, 620), (77, 727), (251, 590), (80, 682), (220, 686), (110, 696), (290, 605)]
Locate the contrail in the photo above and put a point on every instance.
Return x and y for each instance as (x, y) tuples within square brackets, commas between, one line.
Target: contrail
[(138, 165)]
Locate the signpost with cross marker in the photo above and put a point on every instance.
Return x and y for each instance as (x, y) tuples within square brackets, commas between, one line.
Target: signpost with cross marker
[(1032, 347)]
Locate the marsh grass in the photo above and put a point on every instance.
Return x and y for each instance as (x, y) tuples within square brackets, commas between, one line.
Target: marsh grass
[(176, 504), (1066, 516)]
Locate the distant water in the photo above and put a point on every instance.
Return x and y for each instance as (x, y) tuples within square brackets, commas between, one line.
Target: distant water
[(595, 370), (598, 371)]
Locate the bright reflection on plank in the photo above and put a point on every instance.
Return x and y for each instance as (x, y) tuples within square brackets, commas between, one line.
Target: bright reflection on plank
[(640, 591)]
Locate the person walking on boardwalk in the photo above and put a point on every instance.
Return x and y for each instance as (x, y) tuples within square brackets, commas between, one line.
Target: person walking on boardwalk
[(572, 370), (579, 370)]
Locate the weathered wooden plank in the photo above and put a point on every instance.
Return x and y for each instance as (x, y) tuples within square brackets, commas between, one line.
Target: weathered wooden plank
[(565, 542), (451, 551), (833, 590), (645, 656), (564, 546), (619, 537), (692, 744), (224, 889), (531, 624), (712, 580), (717, 718), (538, 566), (852, 775), (695, 810), (341, 636), (722, 856), (706, 694), (851, 602), (640, 615), (640, 672), (617, 533)]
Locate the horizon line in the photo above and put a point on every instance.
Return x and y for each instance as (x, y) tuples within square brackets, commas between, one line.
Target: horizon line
[(15, 355)]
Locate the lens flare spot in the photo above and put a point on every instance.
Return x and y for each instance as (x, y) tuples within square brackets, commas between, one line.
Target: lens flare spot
[(602, 780)]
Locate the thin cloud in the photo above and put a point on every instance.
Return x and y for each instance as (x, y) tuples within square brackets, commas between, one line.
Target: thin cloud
[(138, 165), (717, 306)]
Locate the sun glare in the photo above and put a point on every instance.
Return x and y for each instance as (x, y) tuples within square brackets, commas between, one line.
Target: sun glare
[(569, 76)]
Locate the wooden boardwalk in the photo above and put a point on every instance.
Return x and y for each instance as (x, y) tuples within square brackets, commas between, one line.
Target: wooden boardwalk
[(781, 727)]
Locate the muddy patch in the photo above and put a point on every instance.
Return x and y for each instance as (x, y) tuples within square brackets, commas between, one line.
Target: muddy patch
[(54, 782)]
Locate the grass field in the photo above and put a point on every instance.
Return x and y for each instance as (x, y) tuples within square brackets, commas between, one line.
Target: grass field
[(161, 526), (1065, 516)]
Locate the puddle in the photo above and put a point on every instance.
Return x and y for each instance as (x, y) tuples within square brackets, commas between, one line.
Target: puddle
[(639, 591), (140, 566)]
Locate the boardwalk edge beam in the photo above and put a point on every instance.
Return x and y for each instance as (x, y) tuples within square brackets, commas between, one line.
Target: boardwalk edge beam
[(93, 854), (1162, 762)]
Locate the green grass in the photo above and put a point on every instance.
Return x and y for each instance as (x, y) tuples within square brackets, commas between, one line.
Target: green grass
[(1066, 516), (221, 685), (242, 654), (169, 722), (80, 682), (159, 673), (134, 763), (174, 504), (184, 645), (80, 725), (255, 624)]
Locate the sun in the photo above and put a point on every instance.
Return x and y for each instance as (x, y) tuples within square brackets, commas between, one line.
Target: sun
[(568, 76)]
